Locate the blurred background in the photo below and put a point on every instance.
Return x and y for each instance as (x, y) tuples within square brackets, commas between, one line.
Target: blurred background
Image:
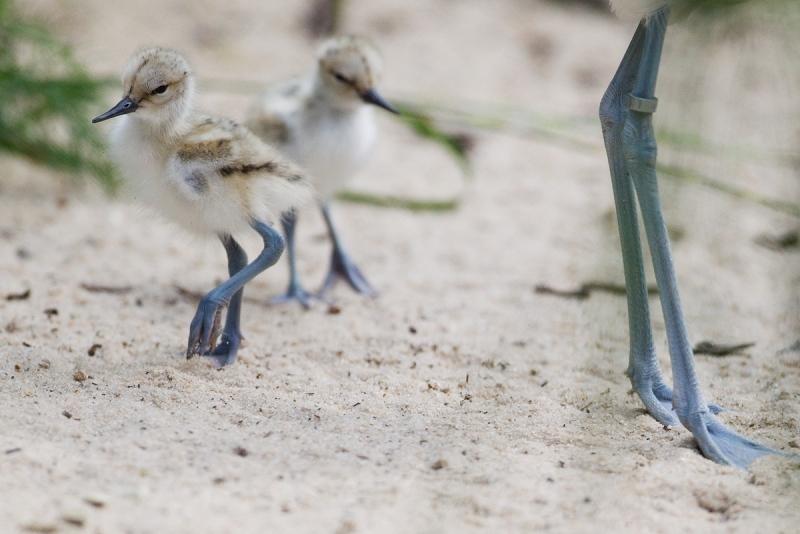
[(478, 81), (486, 220), (526, 68)]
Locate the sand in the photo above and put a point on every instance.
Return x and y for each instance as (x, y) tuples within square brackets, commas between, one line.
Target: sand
[(459, 401)]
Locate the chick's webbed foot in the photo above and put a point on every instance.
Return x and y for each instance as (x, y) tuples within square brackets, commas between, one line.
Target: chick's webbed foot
[(297, 294), (204, 328), (224, 353), (343, 268)]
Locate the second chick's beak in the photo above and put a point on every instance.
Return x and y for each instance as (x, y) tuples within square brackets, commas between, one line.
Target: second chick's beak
[(371, 96)]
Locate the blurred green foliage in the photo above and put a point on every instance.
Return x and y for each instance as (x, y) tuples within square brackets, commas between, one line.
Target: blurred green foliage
[(457, 145), (45, 99)]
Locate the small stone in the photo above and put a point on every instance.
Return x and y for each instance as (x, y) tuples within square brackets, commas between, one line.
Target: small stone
[(241, 451), (96, 500), (24, 295), (44, 364), (74, 517), (715, 502), (40, 527), (439, 464), (79, 376), (347, 527), (66, 414), (795, 444)]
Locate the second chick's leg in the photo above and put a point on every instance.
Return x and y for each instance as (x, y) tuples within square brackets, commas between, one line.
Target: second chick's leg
[(295, 291), (342, 267)]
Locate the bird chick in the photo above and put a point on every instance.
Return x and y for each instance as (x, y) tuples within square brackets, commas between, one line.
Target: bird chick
[(209, 174), (324, 121)]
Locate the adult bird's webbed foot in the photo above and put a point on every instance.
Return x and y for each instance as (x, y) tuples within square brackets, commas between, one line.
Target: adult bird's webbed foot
[(721, 444), (204, 328), (657, 399), (343, 268)]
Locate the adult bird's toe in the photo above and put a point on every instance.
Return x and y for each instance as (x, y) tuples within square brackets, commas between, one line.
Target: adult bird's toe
[(721, 444)]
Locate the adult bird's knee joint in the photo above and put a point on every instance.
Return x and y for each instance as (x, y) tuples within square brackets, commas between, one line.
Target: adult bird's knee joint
[(610, 111), (638, 140), (639, 143)]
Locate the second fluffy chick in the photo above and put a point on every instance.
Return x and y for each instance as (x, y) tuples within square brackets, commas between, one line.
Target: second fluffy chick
[(324, 122)]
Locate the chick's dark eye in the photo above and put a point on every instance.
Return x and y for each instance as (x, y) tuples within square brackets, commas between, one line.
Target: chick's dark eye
[(341, 77), (160, 90)]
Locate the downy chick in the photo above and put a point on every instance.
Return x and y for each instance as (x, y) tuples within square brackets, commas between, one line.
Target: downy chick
[(324, 122), (210, 175)]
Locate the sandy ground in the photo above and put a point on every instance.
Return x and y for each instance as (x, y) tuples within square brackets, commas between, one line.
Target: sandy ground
[(459, 401)]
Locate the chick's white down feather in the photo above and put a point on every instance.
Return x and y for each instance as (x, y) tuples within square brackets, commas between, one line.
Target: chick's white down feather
[(636, 9)]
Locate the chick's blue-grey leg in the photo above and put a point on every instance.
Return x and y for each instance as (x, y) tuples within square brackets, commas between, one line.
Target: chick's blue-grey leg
[(225, 350), (295, 291), (716, 441), (205, 325), (342, 267)]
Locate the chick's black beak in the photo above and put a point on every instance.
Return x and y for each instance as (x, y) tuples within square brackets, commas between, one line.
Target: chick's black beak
[(371, 96), (123, 107)]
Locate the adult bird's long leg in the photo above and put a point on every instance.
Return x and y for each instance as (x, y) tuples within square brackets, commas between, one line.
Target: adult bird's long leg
[(643, 369), (203, 328), (295, 291), (717, 442), (225, 351), (341, 265)]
